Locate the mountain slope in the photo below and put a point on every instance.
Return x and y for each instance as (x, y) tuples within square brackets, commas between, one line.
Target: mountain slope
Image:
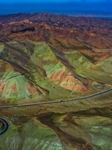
[(38, 71), (32, 72)]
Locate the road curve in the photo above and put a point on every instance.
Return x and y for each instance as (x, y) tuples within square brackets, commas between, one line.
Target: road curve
[(58, 101), (4, 126)]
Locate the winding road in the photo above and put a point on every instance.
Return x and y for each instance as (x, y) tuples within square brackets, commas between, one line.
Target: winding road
[(3, 126)]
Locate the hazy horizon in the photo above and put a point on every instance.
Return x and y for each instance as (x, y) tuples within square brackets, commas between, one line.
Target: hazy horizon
[(71, 7)]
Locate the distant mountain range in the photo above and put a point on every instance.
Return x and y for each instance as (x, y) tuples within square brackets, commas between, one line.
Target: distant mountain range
[(63, 31), (43, 17)]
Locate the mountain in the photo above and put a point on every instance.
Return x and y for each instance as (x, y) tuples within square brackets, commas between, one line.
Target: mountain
[(90, 36), (36, 70), (29, 64), (55, 82), (62, 31)]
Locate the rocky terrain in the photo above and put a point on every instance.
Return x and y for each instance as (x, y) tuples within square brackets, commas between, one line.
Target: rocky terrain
[(64, 32), (55, 82)]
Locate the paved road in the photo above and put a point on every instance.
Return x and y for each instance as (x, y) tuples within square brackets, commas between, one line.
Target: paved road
[(4, 126), (58, 101)]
